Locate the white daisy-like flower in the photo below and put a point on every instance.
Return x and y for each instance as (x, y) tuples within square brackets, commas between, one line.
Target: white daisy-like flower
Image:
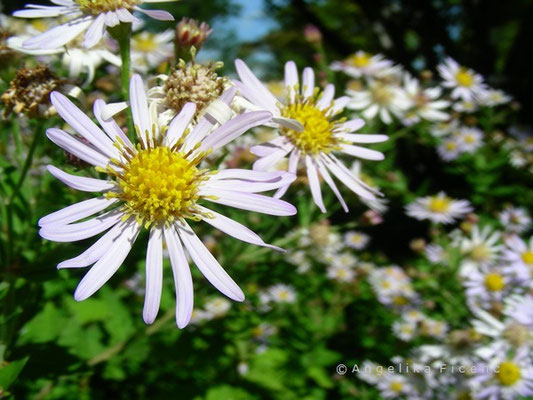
[(380, 98), (426, 103), (504, 378), (75, 58), (217, 307), (494, 97), (470, 139), (392, 286), (393, 385), (309, 132), (341, 273), (281, 293), (449, 149), (433, 328), (442, 129), (439, 208), (486, 286), (89, 16), (435, 253), (363, 64), (404, 330), (158, 184), (520, 309), (150, 49), (465, 83), (465, 106), (519, 254), (482, 247), (515, 219), (356, 240)]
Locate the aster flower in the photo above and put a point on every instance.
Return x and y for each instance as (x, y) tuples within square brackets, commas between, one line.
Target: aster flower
[(519, 254), (494, 97), (281, 293), (438, 209), (341, 273), (356, 240), (504, 377), (465, 83), (465, 106), (149, 49), (482, 247), (157, 184), (89, 16), (380, 98), (449, 149), (427, 104), (470, 139), (486, 286), (309, 132), (75, 58), (364, 64), (520, 309), (515, 219), (393, 385)]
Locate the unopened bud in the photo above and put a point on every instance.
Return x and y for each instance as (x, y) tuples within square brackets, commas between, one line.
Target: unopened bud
[(190, 33)]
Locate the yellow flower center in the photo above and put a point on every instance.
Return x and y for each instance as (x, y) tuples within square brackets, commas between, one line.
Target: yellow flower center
[(527, 257), (509, 373), (317, 135), (480, 253), (439, 204), (400, 300), (359, 60), (158, 184), (381, 94), (450, 146), (357, 238), (464, 77), (469, 139), (283, 295), (101, 6), (144, 42), (396, 386), (494, 282)]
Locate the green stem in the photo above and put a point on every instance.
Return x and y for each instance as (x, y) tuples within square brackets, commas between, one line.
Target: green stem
[(17, 139), (122, 33), (27, 164)]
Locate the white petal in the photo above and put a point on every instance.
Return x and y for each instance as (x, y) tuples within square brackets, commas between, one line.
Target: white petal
[(160, 15), (182, 277), (292, 169), (112, 109), (327, 178), (251, 202), (154, 275), (314, 183), (77, 211), (291, 79), (179, 124), (289, 123), (265, 149), (108, 264), (59, 35), (362, 152), (80, 182), (250, 186), (246, 174), (82, 124), (349, 180), (362, 138), (308, 80), (254, 85), (96, 251), (234, 229), (77, 147), (95, 32), (81, 230), (234, 128), (272, 159), (139, 108), (326, 98), (208, 265), (125, 16), (352, 125), (110, 126)]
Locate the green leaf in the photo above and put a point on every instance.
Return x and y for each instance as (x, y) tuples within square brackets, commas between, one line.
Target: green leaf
[(10, 372)]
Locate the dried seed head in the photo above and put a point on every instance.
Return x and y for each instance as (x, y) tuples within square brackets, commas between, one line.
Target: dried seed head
[(196, 83), (29, 92)]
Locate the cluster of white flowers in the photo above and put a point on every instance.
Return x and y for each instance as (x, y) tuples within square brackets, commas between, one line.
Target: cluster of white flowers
[(490, 357)]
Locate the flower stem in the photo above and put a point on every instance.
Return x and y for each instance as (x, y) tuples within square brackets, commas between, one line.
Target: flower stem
[(122, 34)]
